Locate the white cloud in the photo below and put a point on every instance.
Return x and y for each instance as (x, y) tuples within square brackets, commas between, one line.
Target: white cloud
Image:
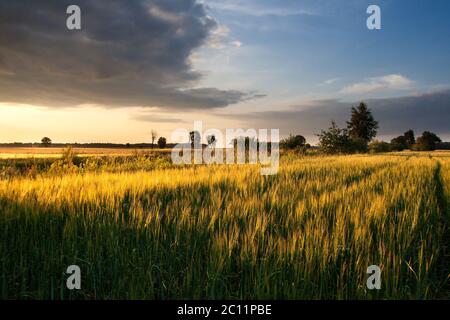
[(330, 81), (376, 84), (220, 38), (236, 44)]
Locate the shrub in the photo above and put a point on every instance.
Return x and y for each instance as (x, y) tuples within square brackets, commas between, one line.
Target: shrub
[(357, 145), (293, 142), (334, 140), (162, 142), (379, 147)]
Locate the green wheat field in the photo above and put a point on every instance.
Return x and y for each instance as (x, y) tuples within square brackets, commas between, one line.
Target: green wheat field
[(140, 228)]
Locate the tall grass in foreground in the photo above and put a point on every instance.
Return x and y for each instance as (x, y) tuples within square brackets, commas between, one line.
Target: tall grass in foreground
[(309, 232), (445, 169)]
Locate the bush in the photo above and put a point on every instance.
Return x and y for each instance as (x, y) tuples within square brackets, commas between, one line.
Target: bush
[(334, 140), (443, 146), (357, 145), (293, 142), (162, 142), (379, 147)]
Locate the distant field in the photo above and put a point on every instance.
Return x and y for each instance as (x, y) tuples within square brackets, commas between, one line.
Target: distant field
[(141, 231), (19, 153)]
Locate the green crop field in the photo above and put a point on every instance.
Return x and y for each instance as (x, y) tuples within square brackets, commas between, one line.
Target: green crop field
[(143, 229)]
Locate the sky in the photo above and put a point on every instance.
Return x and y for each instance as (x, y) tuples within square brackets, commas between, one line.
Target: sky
[(162, 64)]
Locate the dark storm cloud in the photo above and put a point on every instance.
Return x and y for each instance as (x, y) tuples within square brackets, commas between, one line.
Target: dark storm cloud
[(128, 53), (422, 112)]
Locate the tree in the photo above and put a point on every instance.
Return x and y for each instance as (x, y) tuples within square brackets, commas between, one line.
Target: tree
[(250, 144), (162, 142), (211, 140), (246, 141), (406, 141), (399, 143), (362, 125), (293, 142), (195, 138), (46, 141), (154, 136), (334, 140), (427, 142), (410, 139)]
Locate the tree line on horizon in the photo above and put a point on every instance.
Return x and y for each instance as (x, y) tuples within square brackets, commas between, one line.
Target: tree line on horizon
[(359, 135)]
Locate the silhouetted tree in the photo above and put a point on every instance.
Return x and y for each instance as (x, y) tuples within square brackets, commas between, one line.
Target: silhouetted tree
[(406, 141), (399, 143), (427, 142), (195, 138), (251, 144), (154, 136), (246, 141), (362, 125), (410, 138), (46, 141), (211, 140), (162, 142), (293, 142)]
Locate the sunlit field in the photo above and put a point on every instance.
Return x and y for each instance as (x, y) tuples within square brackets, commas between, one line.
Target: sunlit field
[(24, 153), (141, 228)]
